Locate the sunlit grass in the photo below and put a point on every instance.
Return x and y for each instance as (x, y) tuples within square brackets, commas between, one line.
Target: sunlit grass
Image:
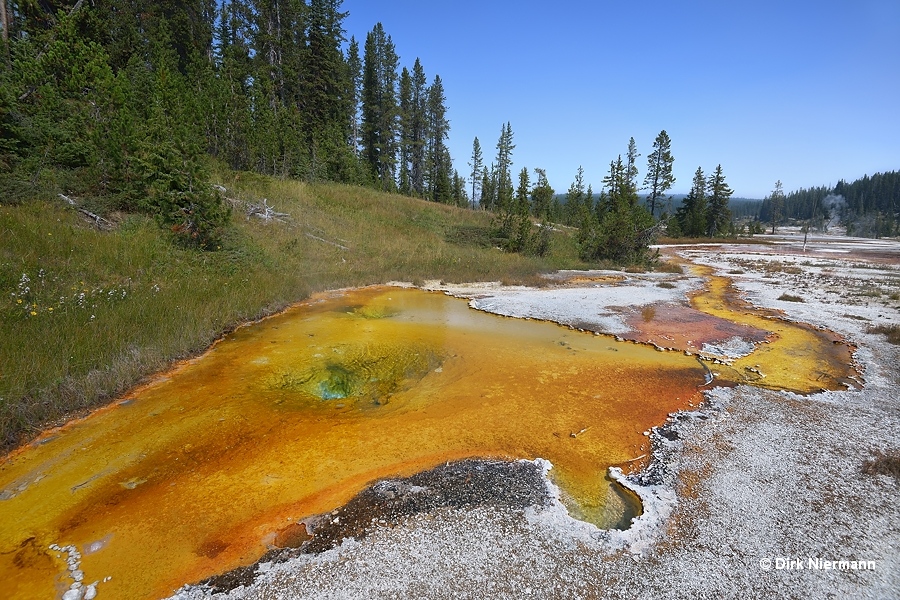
[(85, 314)]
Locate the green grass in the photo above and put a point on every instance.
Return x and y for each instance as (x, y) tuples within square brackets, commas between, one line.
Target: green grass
[(98, 311)]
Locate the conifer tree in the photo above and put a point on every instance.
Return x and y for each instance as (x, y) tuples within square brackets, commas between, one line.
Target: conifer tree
[(354, 66), (777, 203), (379, 107), (575, 200), (517, 224), (504, 186), (631, 170), (476, 164), (621, 228), (328, 92), (406, 132), (691, 215), (488, 198), (437, 156), (718, 217), (170, 180), (541, 196), (460, 198), (659, 178), (418, 124)]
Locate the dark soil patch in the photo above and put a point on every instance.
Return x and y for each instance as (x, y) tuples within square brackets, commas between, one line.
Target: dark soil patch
[(463, 484)]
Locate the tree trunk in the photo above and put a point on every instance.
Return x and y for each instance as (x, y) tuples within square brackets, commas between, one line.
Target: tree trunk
[(4, 23)]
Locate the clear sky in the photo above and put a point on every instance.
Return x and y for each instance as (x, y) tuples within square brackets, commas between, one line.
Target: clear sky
[(807, 92)]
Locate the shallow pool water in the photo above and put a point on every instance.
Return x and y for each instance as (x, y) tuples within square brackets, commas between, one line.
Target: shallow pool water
[(198, 471)]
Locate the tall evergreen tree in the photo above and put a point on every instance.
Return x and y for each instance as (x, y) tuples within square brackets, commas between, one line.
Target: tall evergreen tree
[(418, 126), (691, 216), (380, 110), (718, 217), (612, 181), (437, 156), (460, 198), (476, 164), (407, 141), (354, 66), (488, 198), (777, 203), (631, 170), (504, 189), (576, 201), (516, 225), (328, 92), (659, 178), (541, 196)]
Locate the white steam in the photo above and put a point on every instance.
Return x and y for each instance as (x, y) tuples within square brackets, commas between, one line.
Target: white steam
[(835, 205)]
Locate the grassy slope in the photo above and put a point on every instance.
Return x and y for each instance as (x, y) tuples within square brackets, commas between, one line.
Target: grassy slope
[(104, 309)]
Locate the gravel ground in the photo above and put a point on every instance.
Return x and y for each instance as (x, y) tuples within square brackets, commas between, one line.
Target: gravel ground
[(751, 496)]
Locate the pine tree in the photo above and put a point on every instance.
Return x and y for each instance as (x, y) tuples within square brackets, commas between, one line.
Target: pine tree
[(777, 203), (354, 66), (718, 217), (504, 186), (328, 92), (379, 107), (541, 196), (406, 132), (519, 221), (659, 178), (477, 164), (460, 198), (691, 215), (418, 126), (170, 180), (437, 156), (230, 118), (488, 198), (612, 182), (620, 230), (575, 200), (631, 170)]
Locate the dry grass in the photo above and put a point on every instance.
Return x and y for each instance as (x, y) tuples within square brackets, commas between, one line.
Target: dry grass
[(891, 331), (790, 298), (883, 463), (97, 311), (667, 266)]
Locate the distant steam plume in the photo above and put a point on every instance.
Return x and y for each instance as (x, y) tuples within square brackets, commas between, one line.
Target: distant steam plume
[(835, 205)]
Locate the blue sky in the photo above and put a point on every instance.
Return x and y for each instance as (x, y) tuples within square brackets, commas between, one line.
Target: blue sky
[(807, 92)]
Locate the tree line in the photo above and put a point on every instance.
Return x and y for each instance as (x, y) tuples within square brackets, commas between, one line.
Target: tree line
[(868, 206), (123, 99)]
